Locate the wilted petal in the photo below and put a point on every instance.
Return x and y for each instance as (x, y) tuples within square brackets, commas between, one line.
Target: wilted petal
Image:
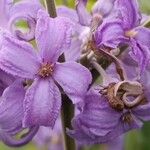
[(24, 10), (53, 36), (84, 16), (18, 58), (129, 12), (11, 107), (73, 78), (104, 7), (110, 33), (42, 103)]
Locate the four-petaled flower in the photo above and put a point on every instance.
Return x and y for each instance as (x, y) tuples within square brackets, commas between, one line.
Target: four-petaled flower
[(43, 98)]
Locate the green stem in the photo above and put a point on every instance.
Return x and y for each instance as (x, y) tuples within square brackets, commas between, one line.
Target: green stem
[(50, 6), (67, 114)]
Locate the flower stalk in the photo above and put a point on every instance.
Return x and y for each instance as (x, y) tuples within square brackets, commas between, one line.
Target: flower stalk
[(67, 111)]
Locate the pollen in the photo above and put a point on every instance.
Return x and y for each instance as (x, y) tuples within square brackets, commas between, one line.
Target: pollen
[(46, 70)]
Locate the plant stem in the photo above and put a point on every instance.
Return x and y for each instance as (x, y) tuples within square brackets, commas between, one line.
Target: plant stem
[(66, 114), (67, 111), (50, 6)]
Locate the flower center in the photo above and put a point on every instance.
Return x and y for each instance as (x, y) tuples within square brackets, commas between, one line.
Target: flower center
[(131, 33), (127, 118), (46, 70)]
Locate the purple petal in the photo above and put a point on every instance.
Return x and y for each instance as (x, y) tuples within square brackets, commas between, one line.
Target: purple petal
[(104, 7), (84, 16), (11, 107), (143, 36), (24, 10), (4, 12), (110, 33), (142, 112), (73, 78), (42, 103), (18, 58), (141, 54), (73, 53), (117, 143), (5, 81), (53, 36), (129, 11), (64, 11), (10, 141)]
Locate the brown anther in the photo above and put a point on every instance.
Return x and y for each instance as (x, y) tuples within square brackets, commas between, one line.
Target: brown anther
[(127, 118), (114, 101), (91, 45), (45, 70)]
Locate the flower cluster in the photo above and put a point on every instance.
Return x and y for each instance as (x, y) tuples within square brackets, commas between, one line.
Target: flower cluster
[(99, 60)]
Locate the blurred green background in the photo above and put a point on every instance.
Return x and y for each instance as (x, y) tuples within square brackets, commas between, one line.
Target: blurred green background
[(134, 140)]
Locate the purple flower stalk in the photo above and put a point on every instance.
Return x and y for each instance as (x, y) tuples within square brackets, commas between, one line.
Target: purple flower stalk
[(43, 98)]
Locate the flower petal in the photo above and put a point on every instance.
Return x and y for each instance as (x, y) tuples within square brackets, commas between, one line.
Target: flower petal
[(4, 12), (110, 33), (104, 7), (53, 36), (29, 14), (142, 112), (5, 81), (64, 11), (129, 11), (73, 78), (42, 103), (11, 107), (84, 16), (141, 54), (18, 58), (143, 36)]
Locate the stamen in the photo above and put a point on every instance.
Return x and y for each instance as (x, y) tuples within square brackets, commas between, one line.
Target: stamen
[(127, 118), (131, 33), (45, 70)]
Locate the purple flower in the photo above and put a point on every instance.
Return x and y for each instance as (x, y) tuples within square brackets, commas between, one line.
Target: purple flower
[(11, 115), (99, 122), (24, 10), (124, 28), (43, 98)]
